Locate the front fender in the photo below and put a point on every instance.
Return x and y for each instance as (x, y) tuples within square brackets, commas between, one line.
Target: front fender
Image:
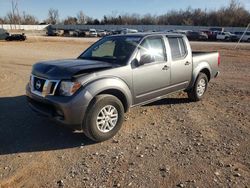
[(103, 84)]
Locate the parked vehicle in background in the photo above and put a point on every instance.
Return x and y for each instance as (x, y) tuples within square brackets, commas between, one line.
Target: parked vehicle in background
[(210, 34), (76, 33), (16, 37), (239, 34), (3, 34), (101, 33), (149, 31), (194, 35), (81, 33), (54, 32), (124, 31), (184, 32), (216, 29), (245, 36), (92, 33), (226, 36), (115, 32), (92, 92), (127, 31)]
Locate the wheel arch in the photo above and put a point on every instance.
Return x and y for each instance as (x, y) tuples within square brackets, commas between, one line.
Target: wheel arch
[(111, 86), (119, 94), (203, 67), (207, 73)]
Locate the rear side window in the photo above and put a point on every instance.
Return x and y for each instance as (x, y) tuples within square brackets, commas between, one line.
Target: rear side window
[(178, 47)]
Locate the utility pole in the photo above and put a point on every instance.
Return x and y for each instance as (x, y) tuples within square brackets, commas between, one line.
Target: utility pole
[(248, 26)]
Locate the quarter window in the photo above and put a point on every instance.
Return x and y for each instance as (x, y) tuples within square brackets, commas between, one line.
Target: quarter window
[(178, 47)]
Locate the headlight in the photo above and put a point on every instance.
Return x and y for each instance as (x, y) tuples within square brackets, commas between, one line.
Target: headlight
[(68, 88), (31, 81)]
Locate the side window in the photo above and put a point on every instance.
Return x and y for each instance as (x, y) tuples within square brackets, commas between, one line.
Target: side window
[(182, 47), (154, 47), (178, 47)]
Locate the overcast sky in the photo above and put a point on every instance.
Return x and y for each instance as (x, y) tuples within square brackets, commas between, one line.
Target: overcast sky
[(98, 8)]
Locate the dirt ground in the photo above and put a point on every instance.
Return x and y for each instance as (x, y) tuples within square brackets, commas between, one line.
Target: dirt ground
[(170, 143)]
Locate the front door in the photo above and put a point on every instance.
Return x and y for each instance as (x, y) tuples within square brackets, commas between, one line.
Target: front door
[(151, 79)]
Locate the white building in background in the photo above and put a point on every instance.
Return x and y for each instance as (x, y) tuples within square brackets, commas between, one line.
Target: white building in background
[(23, 27)]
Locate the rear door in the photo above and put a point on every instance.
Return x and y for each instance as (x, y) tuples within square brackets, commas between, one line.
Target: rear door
[(181, 64), (151, 80)]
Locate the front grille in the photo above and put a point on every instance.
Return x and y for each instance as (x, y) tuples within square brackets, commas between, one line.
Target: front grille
[(38, 84), (42, 86)]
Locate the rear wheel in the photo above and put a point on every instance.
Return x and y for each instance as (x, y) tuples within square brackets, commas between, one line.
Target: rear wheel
[(104, 118), (199, 88)]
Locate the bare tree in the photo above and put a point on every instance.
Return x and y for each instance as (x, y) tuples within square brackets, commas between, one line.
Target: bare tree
[(53, 16), (70, 21), (28, 19), (234, 15), (15, 12), (13, 16), (2, 21), (89, 20), (81, 18)]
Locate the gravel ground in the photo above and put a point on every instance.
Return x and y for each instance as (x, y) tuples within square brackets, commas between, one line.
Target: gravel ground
[(169, 143)]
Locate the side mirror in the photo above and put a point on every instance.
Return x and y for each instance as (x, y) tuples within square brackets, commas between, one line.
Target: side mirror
[(146, 58)]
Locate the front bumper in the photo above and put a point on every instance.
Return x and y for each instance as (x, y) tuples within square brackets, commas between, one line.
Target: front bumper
[(69, 111)]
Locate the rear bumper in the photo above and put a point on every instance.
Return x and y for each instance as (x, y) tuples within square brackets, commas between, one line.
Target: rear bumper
[(68, 111)]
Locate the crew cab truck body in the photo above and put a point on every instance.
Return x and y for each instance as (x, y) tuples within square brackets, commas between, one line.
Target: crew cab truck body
[(92, 93)]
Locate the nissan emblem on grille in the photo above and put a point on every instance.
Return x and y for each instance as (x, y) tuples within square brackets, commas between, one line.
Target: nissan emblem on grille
[(38, 84), (43, 87)]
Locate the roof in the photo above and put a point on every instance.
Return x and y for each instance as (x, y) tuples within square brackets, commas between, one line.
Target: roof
[(149, 34)]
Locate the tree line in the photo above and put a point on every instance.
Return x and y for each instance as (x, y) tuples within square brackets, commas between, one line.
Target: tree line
[(234, 15)]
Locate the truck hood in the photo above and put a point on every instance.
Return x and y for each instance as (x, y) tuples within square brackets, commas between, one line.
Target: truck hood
[(66, 69)]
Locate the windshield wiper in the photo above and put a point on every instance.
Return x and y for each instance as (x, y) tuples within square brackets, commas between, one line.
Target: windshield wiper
[(86, 58)]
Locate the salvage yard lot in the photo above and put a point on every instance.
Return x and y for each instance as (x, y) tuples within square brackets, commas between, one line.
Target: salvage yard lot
[(168, 143)]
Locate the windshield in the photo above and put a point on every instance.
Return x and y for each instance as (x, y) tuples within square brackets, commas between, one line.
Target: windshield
[(115, 49)]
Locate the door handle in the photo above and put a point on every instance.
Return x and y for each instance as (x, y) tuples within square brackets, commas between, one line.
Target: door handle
[(187, 63), (165, 67)]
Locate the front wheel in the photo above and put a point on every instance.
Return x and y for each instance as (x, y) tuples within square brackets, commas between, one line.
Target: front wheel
[(104, 118), (199, 88)]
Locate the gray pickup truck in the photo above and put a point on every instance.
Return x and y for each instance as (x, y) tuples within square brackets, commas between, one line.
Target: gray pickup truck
[(92, 92)]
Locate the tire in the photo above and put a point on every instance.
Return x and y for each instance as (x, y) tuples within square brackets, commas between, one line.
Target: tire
[(199, 89), (100, 127)]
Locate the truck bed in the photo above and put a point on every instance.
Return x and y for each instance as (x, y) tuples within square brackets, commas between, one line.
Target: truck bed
[(198, 53), (212, 58)]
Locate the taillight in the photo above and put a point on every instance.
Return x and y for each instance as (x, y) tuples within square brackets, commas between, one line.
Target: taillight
[(219, 59)]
